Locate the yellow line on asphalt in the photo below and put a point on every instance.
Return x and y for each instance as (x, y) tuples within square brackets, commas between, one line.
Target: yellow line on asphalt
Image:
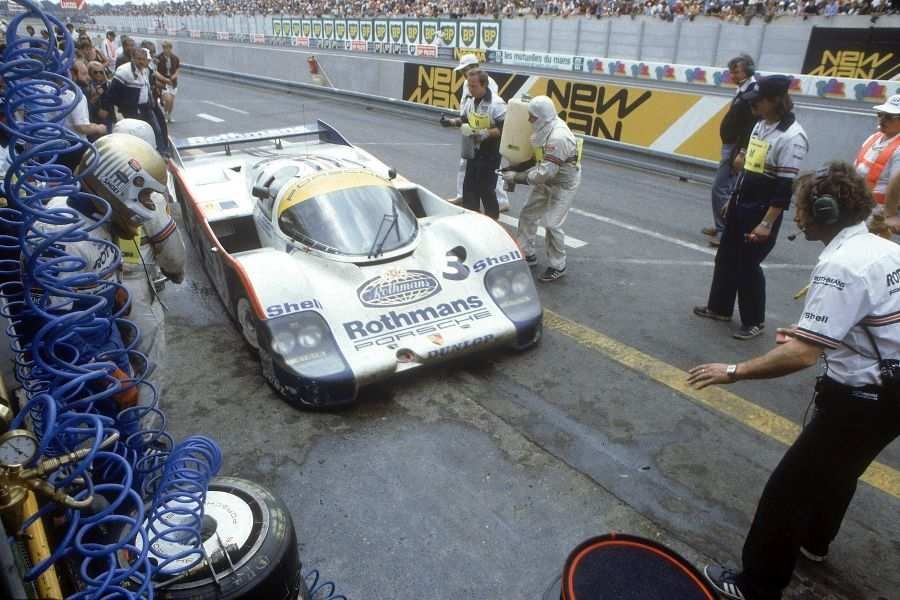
[(731, 405)]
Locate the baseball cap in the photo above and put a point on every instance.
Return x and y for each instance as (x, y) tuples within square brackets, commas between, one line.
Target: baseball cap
[(466, 60), (770, 86), (892, 106)]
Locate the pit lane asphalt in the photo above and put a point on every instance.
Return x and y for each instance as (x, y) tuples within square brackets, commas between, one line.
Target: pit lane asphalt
[(474, 480)]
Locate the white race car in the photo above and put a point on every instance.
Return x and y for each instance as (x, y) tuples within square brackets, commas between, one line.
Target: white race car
[(339, 273)]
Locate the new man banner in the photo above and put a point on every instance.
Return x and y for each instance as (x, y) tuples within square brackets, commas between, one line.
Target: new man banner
[(870, 53)]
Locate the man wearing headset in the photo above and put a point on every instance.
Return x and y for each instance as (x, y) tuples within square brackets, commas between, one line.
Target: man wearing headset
[(852, 317)]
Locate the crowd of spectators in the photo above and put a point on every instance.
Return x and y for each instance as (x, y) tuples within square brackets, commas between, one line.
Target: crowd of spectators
[(669, 10)]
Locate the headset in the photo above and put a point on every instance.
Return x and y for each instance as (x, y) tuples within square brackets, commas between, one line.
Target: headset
[(824, 209)]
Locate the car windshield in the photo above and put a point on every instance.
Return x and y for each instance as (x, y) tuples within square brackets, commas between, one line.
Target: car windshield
[(351, 214)]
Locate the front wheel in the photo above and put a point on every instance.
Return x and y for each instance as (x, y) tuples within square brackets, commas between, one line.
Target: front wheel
[(247, 322)]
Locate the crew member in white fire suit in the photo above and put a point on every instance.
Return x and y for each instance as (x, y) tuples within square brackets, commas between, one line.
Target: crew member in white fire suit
[(555, 179), (132, 177)]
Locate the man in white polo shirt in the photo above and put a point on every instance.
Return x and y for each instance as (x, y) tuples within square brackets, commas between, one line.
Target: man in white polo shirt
[(852, 317)]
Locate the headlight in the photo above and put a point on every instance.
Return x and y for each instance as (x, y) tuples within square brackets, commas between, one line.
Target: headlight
[(283, 342), (512, 288), (310, 336), (305, 345)]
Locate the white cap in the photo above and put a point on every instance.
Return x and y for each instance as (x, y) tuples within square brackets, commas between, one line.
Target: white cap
[(892, 106), (466, 60)]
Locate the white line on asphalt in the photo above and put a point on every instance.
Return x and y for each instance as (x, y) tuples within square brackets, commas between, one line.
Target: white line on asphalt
[(695, 263), (571, 242), (654, 234), (210, 118), (237, 110)]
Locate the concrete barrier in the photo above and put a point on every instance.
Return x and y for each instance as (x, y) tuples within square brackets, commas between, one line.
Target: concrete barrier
[(650, 118)]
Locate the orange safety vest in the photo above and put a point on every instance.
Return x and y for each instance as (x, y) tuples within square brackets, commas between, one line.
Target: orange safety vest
[(877, 166)]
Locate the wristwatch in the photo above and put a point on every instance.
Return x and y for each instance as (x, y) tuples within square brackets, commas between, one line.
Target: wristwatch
[(731, 372)]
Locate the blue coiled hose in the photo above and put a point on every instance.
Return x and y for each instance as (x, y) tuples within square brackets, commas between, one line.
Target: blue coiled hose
[(65, 334)]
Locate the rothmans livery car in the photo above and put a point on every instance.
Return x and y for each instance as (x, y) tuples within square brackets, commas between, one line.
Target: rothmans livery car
[(338, 272)]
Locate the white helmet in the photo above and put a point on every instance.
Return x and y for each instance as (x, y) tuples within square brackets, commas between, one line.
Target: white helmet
[(137, 128), (127, 166)]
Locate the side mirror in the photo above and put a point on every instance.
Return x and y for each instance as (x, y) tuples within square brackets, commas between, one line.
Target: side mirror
[(392, 173), (260, 192)]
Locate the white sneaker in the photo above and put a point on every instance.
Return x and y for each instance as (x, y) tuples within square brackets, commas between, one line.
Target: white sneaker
[(504, 206)]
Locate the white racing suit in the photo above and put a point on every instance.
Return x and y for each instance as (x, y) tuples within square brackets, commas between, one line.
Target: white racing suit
[(554, 180), (163, 252), (144, 274)]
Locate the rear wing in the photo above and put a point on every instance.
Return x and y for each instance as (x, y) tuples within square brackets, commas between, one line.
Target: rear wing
[(325, 132)]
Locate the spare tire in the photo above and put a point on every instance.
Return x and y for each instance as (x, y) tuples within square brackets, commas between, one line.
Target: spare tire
[(262, 561)]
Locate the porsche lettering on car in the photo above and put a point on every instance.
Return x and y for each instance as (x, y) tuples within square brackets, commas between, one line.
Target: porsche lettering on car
[(339, 273)]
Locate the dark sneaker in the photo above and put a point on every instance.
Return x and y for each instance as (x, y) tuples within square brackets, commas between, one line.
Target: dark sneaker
[(531, 259), (748, 333), (702, 311), (710, 231), (552, 274), (809, 555), (725, 581)]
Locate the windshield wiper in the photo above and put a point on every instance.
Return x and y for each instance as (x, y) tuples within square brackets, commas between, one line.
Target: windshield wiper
[(381, 239)]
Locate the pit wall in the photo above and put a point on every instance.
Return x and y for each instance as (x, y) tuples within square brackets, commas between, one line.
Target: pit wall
[(649, 117)]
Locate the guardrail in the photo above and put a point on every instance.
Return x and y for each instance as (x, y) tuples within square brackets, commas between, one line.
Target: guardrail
[(618, 153)]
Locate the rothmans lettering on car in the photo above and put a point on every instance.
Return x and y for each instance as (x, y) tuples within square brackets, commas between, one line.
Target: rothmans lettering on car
[(231, 137), (394, 320), (829, 281), (398, 287), (484, 263), (287, 308)]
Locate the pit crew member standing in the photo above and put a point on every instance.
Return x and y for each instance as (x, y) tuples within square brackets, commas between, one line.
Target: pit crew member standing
[(852, 315), (555, 179), (878, 160), (481, 122), (168, 65), (770, 165), (737, 124), (467, 64)]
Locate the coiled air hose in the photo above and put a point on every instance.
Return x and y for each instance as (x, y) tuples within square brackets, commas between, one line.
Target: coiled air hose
[(69, 355)]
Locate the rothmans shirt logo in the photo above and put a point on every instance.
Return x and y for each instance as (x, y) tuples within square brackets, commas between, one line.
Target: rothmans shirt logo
[(397, 287)]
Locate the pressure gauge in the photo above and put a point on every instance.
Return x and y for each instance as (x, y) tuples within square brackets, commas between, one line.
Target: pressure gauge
[(17, 448)]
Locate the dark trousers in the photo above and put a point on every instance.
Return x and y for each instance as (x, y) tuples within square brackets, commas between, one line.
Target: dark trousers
[(722, 187), (152, 115), (738, 272), (480, 185), (807, 495)]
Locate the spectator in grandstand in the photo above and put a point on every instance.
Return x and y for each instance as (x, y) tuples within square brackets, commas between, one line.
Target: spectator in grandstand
[(168, 65), (130, 91), (109, 49), (124, 56), (735, 133), (95, 92), (769, 166)]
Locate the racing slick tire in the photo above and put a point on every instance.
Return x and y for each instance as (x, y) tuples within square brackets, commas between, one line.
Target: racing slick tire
[(266, 561), (247, 323)]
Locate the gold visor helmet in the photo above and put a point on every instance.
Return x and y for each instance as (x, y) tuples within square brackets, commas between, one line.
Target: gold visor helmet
[(126, 167)]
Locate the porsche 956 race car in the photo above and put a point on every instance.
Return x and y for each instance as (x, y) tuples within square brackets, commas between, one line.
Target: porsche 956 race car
[(338, 272)]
